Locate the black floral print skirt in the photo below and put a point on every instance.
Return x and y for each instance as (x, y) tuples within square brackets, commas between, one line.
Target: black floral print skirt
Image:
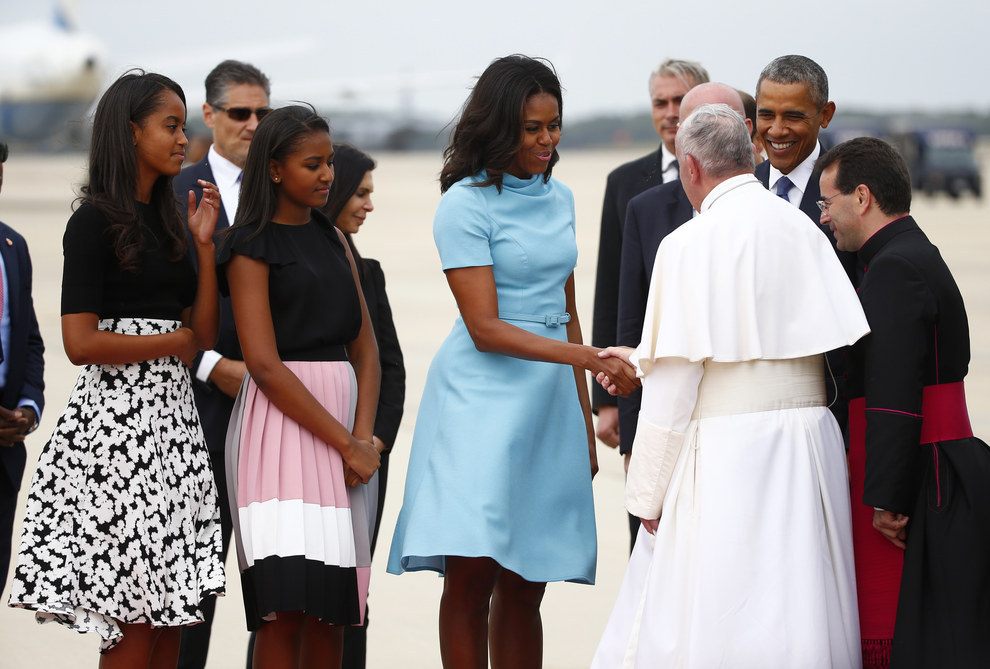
[(122, 522)]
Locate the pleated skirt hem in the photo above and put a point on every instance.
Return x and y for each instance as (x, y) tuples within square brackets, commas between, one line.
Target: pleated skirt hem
[(302, 536)]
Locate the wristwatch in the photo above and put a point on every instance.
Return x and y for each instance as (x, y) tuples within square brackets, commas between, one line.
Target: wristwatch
[(37, 421)]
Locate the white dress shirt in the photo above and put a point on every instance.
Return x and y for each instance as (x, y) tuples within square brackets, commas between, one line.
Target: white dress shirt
[(228, 178), (228, 181), (668, 172), (799, 177)]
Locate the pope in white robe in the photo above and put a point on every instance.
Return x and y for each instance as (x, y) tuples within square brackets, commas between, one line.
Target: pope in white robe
[(736, 454)]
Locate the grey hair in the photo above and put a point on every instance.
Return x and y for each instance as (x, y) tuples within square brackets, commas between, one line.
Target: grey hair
[(716, 135), (797, 70), (689, 72), (233, 73)]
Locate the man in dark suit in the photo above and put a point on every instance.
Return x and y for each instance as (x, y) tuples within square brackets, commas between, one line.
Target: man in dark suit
[(236, 99), (668, 84), (22, 370), (650, 217), (792, 105)]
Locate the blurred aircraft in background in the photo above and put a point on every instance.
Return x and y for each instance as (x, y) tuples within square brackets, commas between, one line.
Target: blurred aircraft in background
[(50, 73)]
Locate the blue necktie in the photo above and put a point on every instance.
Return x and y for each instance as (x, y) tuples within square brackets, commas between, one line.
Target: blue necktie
[(784, 187)]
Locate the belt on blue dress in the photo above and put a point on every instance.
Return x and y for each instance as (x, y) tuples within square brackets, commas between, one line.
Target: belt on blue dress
[(550, 320)]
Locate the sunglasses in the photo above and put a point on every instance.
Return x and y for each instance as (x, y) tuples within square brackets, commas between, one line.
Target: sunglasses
[(3, 153), (241, 114)]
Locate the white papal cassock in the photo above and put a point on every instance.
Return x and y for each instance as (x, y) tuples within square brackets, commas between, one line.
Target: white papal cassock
[(751, 565)]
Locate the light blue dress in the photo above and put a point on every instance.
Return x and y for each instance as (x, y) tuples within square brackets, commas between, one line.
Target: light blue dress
[(499, 463)]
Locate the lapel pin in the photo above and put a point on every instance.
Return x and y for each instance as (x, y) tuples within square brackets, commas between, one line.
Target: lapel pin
[(9, 243)]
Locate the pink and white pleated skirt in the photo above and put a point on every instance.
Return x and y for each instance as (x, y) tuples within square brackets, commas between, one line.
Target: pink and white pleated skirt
[(302, 536)]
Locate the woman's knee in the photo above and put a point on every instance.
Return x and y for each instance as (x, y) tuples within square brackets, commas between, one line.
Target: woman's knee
[(513, 589), (470, 580)]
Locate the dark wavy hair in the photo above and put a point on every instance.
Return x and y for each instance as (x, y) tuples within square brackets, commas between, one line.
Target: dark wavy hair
[(113, 166), (277, 137), (875, 164), (487, 135), (349, 167)]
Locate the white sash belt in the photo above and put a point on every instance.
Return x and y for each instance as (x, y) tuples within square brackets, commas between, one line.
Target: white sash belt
[(760, 385)]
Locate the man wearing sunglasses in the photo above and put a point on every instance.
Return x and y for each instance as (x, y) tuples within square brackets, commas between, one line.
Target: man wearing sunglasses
[(22, 367), (236, 100)]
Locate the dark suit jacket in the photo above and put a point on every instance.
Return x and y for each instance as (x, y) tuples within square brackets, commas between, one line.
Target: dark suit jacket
[(809, 205), (393, 388), (624, 183), (835, 371), (650, 217), (214, 407), (26, 361)]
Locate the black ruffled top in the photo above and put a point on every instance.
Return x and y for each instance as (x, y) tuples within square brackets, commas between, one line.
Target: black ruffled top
[(314, 301)]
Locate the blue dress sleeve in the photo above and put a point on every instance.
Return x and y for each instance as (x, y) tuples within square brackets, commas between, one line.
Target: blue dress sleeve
[(462, 228)]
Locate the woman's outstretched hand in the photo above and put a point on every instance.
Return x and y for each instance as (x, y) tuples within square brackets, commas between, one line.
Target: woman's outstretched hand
[(617, 374), (203, 219)]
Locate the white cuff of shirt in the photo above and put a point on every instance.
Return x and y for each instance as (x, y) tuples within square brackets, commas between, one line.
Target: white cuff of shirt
[(207, 362), (655, 452)]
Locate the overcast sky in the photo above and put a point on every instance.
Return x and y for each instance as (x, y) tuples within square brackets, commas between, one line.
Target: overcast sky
[(879, 54)]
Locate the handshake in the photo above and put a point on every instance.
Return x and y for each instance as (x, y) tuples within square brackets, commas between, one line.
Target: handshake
[(617, 374)]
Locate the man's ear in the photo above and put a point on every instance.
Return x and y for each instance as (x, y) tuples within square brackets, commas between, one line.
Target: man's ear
[(863, 198), (828, 111), (208, 115), (694, 168)]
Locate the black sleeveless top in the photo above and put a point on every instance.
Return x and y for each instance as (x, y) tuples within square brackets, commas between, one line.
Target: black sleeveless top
[(314, 301)]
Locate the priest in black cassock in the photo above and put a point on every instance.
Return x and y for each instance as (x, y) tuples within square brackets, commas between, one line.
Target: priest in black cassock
[(920, 479)]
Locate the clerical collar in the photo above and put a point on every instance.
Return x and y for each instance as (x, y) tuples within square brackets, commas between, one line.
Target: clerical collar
[(884, 235), (726, 186)]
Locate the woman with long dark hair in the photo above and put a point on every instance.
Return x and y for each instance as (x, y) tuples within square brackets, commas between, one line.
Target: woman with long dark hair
[(122, 530), (304, 418), (498, 495), (348, 208)]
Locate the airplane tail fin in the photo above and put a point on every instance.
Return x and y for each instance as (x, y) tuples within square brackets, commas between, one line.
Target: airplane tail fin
[(65, 16)]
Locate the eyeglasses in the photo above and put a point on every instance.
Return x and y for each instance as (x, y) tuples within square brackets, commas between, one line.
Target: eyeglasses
[(241, 114), (3, 153), (825, 203)]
